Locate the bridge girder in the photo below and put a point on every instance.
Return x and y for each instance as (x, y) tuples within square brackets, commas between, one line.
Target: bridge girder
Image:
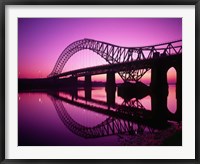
[(116, 54)]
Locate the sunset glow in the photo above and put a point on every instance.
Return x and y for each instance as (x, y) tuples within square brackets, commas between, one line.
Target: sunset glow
[(41, 41)]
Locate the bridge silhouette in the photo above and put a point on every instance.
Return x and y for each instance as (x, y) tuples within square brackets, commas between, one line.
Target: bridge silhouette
[(139, 58), (131, 63)]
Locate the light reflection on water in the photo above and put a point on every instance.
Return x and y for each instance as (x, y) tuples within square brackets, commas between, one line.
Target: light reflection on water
[(40, 124), (171, 99)]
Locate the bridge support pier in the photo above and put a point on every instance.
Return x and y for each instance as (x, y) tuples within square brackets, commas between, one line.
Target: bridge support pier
[(159, 92), (88, 87), (74, 86), (110, 80), (73, 82), (88, 81), (110, 88), (88, 93)]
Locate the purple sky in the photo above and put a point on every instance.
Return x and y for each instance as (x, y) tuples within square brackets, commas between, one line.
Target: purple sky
[(41, 40)]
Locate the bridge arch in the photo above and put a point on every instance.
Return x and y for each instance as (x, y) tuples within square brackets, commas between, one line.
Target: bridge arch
[(171, 99), (160, 89), (177, 66), (109, 52), (116, 54)]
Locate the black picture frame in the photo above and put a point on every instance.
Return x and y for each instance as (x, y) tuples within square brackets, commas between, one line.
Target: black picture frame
[(3, 3)]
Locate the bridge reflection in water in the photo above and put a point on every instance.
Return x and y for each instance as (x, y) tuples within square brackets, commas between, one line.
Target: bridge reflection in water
[(129, 116), (123, 116)]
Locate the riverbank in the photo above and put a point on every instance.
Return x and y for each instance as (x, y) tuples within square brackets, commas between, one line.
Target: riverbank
[(171, 136)]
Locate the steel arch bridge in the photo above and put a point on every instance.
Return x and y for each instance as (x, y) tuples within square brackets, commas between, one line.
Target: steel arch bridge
[(114, 54)]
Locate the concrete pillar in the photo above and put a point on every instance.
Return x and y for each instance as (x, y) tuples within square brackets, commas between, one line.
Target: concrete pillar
[(74, 93), (110, 80), (110, 95), (74, 82), (74, 88), (110, 88), (88, 93), (88, 87), (88, 81), (159, 92)]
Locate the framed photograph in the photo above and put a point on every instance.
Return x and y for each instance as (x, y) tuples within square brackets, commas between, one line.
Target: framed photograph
[(99, 81)]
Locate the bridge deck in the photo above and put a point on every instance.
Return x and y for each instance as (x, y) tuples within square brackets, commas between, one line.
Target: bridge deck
[(126, 66)]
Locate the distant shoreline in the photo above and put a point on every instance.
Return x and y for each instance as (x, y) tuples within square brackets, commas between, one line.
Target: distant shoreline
[(83, 81)]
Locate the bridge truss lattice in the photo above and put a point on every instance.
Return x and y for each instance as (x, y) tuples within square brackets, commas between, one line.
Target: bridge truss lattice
[(116, 54)]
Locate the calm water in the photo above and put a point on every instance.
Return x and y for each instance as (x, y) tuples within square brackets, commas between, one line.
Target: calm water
[(65, 119)]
